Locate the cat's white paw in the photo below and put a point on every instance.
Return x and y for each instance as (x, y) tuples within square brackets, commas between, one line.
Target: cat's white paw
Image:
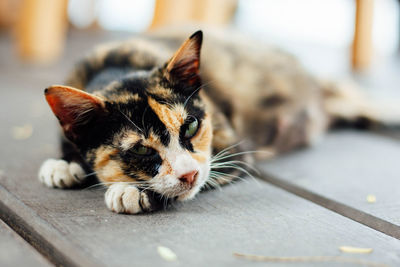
[(61, 174), (125, 198)]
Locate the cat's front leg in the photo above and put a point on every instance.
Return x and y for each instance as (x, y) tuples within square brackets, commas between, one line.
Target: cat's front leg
[(66, 172), (61, 173), (126, 198)]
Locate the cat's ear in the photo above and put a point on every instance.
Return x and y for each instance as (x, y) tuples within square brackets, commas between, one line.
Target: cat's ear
[(184, 66), (73, 108)]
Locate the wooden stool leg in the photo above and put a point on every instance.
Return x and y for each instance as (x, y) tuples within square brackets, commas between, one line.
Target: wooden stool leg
[(41, 29), (167, 12), (215, 12), (362, 44)]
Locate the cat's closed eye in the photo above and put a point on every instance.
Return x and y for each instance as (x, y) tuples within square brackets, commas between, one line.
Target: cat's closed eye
[(143, 151)]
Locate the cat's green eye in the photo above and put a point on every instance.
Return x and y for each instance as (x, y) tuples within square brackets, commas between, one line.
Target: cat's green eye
[(142, 150), (191, 128)]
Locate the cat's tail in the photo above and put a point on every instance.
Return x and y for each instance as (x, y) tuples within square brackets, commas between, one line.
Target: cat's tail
[(347, 104)]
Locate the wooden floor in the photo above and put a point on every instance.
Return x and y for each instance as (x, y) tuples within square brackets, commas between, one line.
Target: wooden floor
[(306, 204)]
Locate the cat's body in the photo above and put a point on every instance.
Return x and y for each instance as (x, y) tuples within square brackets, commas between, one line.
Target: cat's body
[(256, 87), (153, 127)]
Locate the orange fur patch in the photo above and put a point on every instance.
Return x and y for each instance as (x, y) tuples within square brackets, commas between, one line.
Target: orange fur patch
[(129, 139), (153, 141), (166, 168), (201, 158), (112, 172), (172, 118), (161, 92), (103, 155), (108, 170), (124, 97)]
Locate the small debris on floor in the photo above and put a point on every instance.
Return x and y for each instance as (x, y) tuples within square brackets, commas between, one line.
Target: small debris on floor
[(22, 132), (355, 250), (309, 259), (166, 253), (371, 198)]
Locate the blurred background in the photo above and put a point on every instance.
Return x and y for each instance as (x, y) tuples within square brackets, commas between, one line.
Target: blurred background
[(331, 37), (40, 29), (40, 40)]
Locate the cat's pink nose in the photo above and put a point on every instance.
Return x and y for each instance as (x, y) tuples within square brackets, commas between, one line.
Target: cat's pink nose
[(189, 177)]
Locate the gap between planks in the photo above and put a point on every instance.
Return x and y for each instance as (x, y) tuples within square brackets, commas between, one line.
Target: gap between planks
[(364, 218), (37, 233)]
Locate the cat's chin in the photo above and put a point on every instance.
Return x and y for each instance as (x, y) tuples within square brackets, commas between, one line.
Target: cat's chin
[(190, 194)]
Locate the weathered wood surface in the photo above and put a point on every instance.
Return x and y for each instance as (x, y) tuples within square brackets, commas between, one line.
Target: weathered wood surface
[(73, 227), (247, 217), (14, 251), (347, 166)]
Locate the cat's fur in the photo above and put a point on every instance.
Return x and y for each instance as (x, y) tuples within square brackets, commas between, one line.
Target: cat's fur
[(142, 93)]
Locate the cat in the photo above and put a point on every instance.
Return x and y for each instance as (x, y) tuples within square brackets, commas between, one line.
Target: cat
[(154, 123)]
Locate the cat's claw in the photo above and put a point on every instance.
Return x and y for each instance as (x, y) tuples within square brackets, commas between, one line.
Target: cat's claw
[(61, 174), (125, 198)]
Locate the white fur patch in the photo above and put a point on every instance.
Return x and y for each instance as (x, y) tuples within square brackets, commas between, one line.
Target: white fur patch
[(60, 173), (125, 198), (167, 182)]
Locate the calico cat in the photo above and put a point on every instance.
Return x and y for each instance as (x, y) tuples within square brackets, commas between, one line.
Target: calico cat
[(152, 124)]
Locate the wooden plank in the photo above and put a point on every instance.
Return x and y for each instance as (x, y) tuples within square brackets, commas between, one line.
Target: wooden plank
[(39, 233), (74, 228), (348, 166), (247, 218), (14, 251), (367, 219)]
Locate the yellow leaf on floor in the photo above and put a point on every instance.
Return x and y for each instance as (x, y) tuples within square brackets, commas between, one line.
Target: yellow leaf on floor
[(166, 253), (355, 250), (22, 132), (371, 198)]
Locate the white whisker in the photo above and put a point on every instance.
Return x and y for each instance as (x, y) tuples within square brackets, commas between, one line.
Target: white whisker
[(195, 91), (221, 174), (213, 183), (234, 162), (225, 150), (144, 112), (89, 174), (135, 183), (214, 159), (137, 127), (233, 166)]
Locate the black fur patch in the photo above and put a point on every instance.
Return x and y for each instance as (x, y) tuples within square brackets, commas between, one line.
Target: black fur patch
[(135, 164), (272, 101)]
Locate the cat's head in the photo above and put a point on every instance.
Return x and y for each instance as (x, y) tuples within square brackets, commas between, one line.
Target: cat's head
[(150, 128)]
